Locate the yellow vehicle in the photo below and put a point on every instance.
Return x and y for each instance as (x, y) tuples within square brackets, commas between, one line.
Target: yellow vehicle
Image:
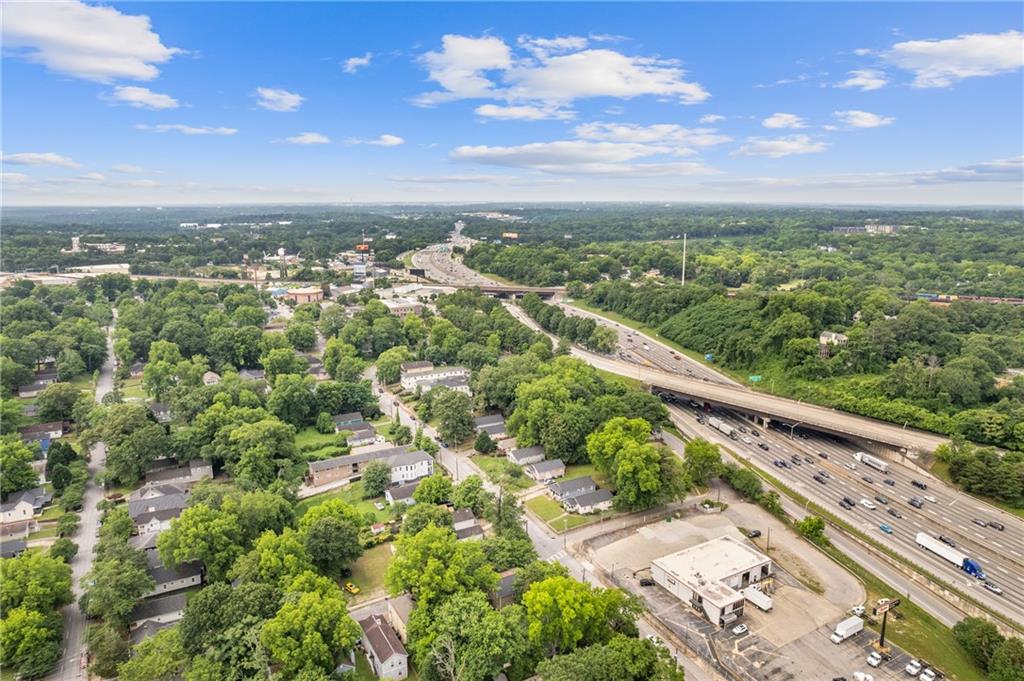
[(351, 588)]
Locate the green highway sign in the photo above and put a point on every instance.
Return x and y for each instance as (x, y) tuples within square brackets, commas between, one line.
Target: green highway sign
[(755, 378)]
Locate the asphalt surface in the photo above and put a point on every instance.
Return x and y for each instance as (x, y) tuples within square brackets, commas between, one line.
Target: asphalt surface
[(72, 664)]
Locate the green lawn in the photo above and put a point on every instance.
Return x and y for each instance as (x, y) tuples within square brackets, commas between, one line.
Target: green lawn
[(550, 511), (131, 388), (52, 513), (626, 380), (498, 468), (83, 382), (45, 532), (353, 494), (368, 573), (545, 508), (309, 437)]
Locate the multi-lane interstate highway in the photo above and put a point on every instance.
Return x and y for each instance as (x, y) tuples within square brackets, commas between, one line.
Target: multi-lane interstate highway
[(952, 514)]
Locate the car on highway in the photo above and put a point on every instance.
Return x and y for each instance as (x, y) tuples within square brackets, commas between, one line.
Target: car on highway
[(947, 540), (894, 513), (868, 479), (743, 429), (979, 522), (890, 482), (808, 459), (763, 446), (874, 659), (823, 455), (850, 466), (747, 440), (996, 525), (993, 587), (755, 433), (823, 473), (846, 504), (740, 629), (880, 499), (913, 668), (918, 484), (930, 498), (888, 530), (868, 504), (820, 480), (915, 502)]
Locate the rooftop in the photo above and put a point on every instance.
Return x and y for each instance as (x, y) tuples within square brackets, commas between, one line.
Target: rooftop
[(489, 420), (547, 465), (590, 498), (381, 638), (153, 607), (579, 483), (704, 567)]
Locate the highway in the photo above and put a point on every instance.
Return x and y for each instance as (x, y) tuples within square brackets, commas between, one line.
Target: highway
[(951, 514)]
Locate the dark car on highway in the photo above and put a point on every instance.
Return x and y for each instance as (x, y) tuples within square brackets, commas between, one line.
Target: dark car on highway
[(918, 484)]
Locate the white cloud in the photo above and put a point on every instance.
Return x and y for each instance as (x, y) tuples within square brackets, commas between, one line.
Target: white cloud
[(862, 119), (13, 178), (85, 41), (384, 140), (91, 177), (128, 168), (864, 79), (665, 133), (784, 120), (276, 99), (40, 159), (780, 146), (142, 98), (580, 157), (862, 51), (712, 118), (188, 129), (353, 64), (523, 112), (308, 138), (478, 178), (940, 63), (555, 72)]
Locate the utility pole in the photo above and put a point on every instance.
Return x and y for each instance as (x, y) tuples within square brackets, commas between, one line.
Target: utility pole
[(684, 259)]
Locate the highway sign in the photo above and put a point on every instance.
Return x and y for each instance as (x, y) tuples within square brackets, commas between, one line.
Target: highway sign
[(755, 378)]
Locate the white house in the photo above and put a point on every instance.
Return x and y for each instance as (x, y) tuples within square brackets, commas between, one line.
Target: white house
[(168, 580), (567, 489), (163, 610), (591, 502), (13, 511), (384, 650), (401, 494), (465, 525), (409, 466), (155, 514), (542, 471), (432, 377), (526, 455)]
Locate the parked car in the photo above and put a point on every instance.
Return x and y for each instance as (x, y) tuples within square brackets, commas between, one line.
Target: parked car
[(913, 668), (754, 534), (874, 659), (740, 629), (351, 588), (928, 674)]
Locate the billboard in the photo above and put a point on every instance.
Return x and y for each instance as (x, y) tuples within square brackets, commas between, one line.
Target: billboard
[(418, 272), (362, 247), (510, 235)]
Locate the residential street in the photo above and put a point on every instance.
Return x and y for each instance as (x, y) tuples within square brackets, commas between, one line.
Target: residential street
[(71, 665)]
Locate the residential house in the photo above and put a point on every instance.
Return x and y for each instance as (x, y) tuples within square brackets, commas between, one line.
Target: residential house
[(186, 474), (590, 502), (43, 433), (542, 471), (405, 466), (146, 630), (399, 610), (505, 593), (252, 374), (143, 542), (163, 610), (24, 505), (402, 307), (493, 425), (170, 579), (362, 434), (46, 377), (465, 525), (568, 489), (136, 369), (349, 419), (526, 455), (155, 514), (830, 339), (30, 390), (507, 445), (211, 378), (12, 548), (161, 412), (432, 377), (401, 493), (315, 367), (383, 648)]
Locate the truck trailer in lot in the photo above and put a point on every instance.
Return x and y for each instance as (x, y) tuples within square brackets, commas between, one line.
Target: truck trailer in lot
[(846, 629), (954, 556), (724, 427), (873, 461), (759, 598)]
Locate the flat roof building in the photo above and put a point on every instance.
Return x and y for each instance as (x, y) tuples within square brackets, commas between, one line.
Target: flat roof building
[(710, 576)]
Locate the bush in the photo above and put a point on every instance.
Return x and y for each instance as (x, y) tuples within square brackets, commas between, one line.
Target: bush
[(67, 524), (324, 423)]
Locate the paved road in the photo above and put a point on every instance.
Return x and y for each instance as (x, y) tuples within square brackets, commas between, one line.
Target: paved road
[(71, 664)]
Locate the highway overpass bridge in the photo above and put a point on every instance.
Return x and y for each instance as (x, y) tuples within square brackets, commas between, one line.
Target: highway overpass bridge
[(515, 291), (769, 408)]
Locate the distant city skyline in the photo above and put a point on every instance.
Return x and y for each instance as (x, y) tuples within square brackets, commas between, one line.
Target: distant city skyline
[(195, 103)]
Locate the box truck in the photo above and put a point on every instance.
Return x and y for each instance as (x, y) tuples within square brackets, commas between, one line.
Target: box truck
[(847, 628)]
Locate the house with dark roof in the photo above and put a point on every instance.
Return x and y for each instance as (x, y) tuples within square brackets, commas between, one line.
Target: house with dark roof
[(30, 390), (136, 369), (567, 489), (401, 494), (24, 505), (428, 376), (162, 610), (170, 579), (526, 455), (156, 514), (43, 433), (146, 630), (384, 650), (186, 474), (493, 425), (465, 525), (457, 383), (46, 376), (590, 502), (505, 592), (12, 548), (315, 367), (143, 542), (349, 419), (161, 412), (542, 471), (252, 374), (361, 433)]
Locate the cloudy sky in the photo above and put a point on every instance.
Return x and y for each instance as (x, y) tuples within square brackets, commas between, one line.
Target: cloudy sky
[(153, 103)]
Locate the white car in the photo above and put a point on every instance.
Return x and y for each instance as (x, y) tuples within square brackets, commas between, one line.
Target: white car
[(748, 440), (868, 504), (861, 676), (874, 659), (913, 668), (929, 497), (857, 610), (850, 466), (739, 629), (928, 675)]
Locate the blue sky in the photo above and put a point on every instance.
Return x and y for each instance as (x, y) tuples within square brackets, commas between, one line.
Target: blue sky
[(171, 103)]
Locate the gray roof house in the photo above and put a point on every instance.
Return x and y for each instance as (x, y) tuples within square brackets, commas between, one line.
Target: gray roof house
[(163, 610), (591, 502), (384, 650), (526, 455), (170, 579), (542, 471), (568, 489), (401, 493)]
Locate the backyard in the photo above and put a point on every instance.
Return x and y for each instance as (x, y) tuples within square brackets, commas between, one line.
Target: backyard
[(368, 573), (551, 512), (353, 494), (500, 469)]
